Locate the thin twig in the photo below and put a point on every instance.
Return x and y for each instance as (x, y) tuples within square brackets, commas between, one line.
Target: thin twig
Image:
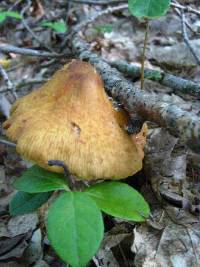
[(29, 29), (14, 5), (178, 12), (24, 83), (7, 143), (98, 3), (176, 4), (91, 19), (94, 17), (186, 39), (8, 82), (28, 52), (143, 53), (186, 8)]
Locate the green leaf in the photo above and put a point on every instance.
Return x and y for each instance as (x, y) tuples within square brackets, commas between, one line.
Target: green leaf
[(37, 180), (75, 228), (119, 200), (148, 8), (104, 28), (23, 203), (59, 27), (12, 14), (2, 16)]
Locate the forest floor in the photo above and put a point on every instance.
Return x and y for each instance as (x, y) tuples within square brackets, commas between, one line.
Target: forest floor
[(170, 179)]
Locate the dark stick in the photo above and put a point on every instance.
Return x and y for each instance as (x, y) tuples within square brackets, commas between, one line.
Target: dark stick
[(60, 163)]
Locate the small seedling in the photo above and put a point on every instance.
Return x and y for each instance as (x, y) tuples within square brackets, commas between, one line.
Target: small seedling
[(58, 26), (147, 9), (105, 28), (11, 14)]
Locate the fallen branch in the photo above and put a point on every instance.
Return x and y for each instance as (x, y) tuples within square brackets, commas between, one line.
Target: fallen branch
[(179, 85), (7, 48), (151, 106)]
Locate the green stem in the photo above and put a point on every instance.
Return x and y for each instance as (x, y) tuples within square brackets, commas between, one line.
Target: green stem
[(143, 53)]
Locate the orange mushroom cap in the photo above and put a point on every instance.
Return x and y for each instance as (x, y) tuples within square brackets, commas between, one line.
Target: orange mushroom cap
[(71, 119)]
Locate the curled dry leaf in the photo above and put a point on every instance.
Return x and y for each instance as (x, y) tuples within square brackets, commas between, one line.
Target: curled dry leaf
[(71, 119)]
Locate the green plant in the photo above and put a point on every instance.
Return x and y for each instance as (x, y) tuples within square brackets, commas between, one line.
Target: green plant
[(147, 9), (11, 14), (74, 222), (105, 28), (58, 26)]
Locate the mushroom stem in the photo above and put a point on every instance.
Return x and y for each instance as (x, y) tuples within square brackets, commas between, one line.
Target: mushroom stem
[(59, 163)]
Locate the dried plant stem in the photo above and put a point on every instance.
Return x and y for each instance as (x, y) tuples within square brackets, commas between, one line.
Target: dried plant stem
[(144, 53), (9, 84), (98, 3), (186, 39)]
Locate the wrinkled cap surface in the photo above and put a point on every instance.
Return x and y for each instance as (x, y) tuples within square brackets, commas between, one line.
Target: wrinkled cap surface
[(71, 119)]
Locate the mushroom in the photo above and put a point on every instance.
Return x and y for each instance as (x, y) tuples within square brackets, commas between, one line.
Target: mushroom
[(71, 119)]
